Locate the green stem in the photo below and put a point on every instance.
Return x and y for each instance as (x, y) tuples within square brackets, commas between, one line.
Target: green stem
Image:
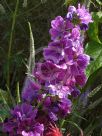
[(18, 94), (10, 42), (87, 4), (62, 123), (1, 119)]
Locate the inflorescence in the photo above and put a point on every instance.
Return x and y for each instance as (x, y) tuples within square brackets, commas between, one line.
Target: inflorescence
[(57, 79)]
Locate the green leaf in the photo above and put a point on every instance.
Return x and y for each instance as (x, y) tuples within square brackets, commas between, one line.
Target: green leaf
[(93, 27), (3, 97), (6, 99), (43, 1), (2, 9), (93, 78), (97, 16), (94, 104), (67, 2), (31, 64), (76, 125), (97, 63), (25, 2), (94, 124), (99, 2), (93, 32), (77, 115), (94, 91), (93, 49), (18, 98), (4, 106), (4, 112)]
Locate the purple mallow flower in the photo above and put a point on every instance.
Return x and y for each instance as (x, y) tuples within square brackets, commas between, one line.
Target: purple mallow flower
[(23, 122)]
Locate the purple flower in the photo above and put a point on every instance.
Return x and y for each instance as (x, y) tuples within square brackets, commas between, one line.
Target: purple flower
[(48, 71), (68, 26), (75, 33), (54, 52), (81, 79), (80, 16), (22, 122), (83, 61), (57, 29), (47, 101), (84, 15), (53, 116), (71, 11), (31, 90), (75, 93), (59, 90), (65, 106), (57, 77)]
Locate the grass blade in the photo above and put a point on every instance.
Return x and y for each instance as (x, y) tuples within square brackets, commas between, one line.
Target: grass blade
[(18, 94), (31, 64), (10, 42)]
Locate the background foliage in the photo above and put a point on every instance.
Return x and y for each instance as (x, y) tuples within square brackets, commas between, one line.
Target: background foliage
[(87, 110)]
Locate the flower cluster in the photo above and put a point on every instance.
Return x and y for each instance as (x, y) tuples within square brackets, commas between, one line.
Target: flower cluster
[(57, 78), (23, 122)]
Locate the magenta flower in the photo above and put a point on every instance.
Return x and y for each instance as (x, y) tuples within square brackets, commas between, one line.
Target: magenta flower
[(58, 28), (30, 91), (57, 78), (48, 71), (80, 16), (59, 90), (65, 106), (23, 122), (84, 15), (54, 52)]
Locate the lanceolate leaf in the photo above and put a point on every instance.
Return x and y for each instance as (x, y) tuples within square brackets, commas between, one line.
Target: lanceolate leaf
[(32, 52), (95, 78), (93, 49), (94, 104), (76, 125), (97, 16), (97, 63), (93, 28), (4, 97), (99, 2), (94, 91), (93, 32), (25, 3)]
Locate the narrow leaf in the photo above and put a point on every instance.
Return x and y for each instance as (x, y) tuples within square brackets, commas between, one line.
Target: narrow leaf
[(94, 91), (31, 64), (18, 94), (94, 104), (74, 124), (25, 3)]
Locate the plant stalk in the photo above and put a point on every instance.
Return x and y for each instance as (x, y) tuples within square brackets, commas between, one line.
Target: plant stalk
[(10, 43)]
